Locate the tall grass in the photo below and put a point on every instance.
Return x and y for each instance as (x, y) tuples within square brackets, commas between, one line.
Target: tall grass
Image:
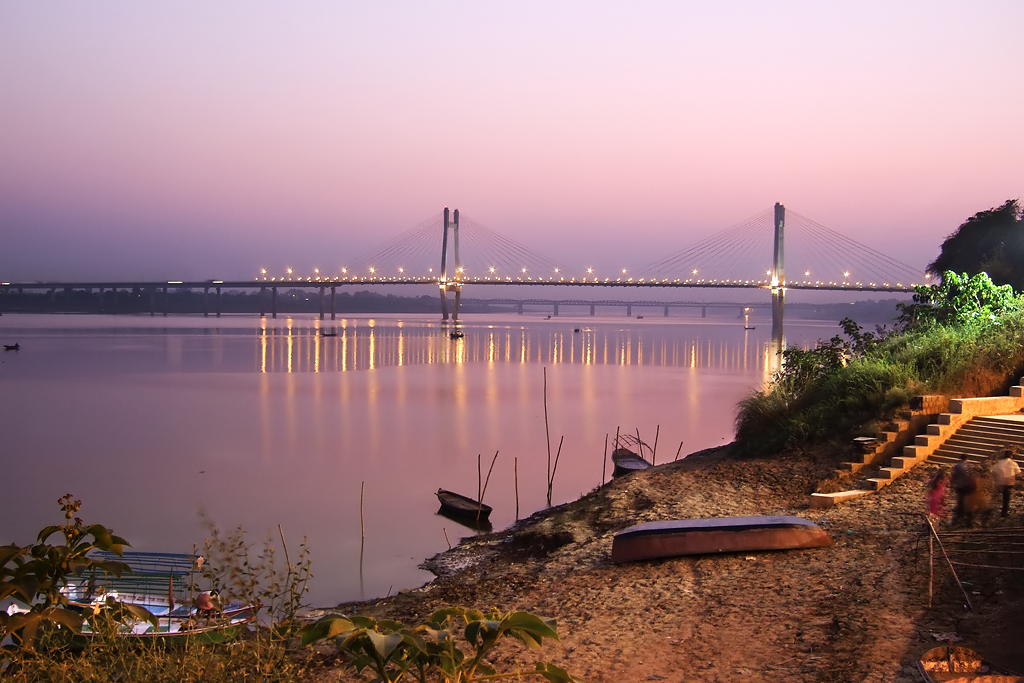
[(979, 358)]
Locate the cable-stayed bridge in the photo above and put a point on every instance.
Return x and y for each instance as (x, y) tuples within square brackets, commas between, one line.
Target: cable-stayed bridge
[(772, 250)]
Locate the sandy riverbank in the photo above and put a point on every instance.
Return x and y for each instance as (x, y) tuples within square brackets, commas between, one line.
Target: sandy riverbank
[(854, 611)]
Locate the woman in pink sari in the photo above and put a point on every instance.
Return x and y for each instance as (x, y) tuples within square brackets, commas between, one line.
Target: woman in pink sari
[(937, 493)]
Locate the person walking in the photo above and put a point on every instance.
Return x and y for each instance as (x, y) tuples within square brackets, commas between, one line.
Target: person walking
[(1004, 475), (963, 483), (937, 493)]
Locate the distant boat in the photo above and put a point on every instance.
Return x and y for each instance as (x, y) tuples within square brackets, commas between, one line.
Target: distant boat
[(749, 327), (627, 462), (326, 333), (719, 535), (12, 347), (462, 506), (961, 665), (639, 317), (457, 334), (576, 329)]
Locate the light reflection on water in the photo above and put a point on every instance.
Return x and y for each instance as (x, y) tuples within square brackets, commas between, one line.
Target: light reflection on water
[(367, 346), (261, 424)]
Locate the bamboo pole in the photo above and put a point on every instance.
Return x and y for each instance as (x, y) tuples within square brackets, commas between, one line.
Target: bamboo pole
[(604, 461), (547, 432), (931, 568), (654, 451), (616, 439), (516, 474), (680, 450), (551, 481), (480, 500), (962, 589), (446, 538), (478, 496), (362, 527)]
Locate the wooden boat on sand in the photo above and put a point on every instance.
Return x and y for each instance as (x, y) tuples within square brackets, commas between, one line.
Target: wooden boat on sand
[(718, 535), (464, 507), (627, 462), (955, 664)]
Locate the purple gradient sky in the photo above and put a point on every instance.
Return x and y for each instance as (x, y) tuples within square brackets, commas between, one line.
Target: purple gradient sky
[(205, 140)]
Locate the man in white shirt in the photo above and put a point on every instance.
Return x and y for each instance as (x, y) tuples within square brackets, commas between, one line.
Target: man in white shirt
[(1004, 476)]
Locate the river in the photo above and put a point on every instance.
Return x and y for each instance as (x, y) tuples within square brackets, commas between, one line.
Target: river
[(155, 423)]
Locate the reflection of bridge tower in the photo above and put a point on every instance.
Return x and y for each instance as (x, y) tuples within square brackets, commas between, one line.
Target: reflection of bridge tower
[(455, 284), (779, 286)]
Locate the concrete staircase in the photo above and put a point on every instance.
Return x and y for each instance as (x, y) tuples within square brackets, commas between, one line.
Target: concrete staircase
[(976, 426), (981, 437)]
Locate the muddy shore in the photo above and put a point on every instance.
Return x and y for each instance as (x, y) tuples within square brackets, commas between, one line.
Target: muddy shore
[(854, 611)]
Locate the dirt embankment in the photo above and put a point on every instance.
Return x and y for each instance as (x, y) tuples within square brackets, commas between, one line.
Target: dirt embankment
[(854, 611)]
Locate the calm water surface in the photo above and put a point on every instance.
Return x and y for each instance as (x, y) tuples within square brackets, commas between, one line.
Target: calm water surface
[(153, 421)]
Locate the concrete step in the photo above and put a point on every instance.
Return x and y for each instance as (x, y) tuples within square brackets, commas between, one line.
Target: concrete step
[(943, 459), (878, 484), (890, 473), (827, 500), (983, 431), (851, 467), (969, 447)]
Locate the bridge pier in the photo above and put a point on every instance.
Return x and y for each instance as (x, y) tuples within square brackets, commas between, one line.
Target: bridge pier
[(273, 302), (591, 310), (322, 302), (166, 302), (218, 302), (555, 313), (333, 313), (519, 307), (263, 302), (703, 311), (666, 311), (206, 302), (113, 300), (458, 298), (152, 301), (629, 311), (101, 298)]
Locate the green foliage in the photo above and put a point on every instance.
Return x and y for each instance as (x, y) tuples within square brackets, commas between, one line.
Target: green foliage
[(988, 242), (240, 573), (35, 575), (392, 651), (958, 300)]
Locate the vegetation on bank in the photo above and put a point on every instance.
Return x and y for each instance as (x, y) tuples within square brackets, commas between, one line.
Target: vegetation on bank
[(49, 638), (960, 337)]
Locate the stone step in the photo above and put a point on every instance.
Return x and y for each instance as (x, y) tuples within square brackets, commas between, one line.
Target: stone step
[(943, 459), (878, 484), (983, 431), (827, 500), (890, 473), (970, 446), (851, 467)]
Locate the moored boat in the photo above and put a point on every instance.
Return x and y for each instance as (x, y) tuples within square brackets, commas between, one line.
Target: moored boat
[(626, 461), (671, 538), (462, 506), (169, 587), (955, 664)]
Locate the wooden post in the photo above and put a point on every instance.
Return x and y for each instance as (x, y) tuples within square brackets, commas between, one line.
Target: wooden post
[(516, 475), (604, 461), (547, 432), (480, 500), (680, 450), (551, 479), (654, 451)]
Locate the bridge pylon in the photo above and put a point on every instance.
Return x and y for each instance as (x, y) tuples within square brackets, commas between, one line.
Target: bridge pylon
[(454, 284)]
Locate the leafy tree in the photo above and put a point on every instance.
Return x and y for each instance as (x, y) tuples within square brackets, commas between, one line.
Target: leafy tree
[(989, 242), (957, 300)]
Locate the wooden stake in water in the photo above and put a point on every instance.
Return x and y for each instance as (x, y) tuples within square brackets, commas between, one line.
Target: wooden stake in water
[(654, 451), (551, 480), (616, 439), (516, 475), (446, 538), (547, 432), (362, 527), (680, 450), (604, 461), (478, 496), (483, 492)]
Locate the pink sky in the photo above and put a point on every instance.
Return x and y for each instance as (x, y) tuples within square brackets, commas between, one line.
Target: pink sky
[(205, 140)]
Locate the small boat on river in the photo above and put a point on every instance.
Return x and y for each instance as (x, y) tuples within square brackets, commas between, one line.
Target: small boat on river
[(12, 347), (627, 462), (168, 586), (676, 537), (955, 664), (463, 507)]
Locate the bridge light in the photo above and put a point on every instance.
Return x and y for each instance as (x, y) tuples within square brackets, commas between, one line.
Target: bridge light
[(289, 271), (372, 269), (807, 273), (524, 270), (556, 270), (344, 270), (263, 270), (846, 274), (316, 270), (694, 271), (623, 271), (401, 269), (590, 270), (492, 269)]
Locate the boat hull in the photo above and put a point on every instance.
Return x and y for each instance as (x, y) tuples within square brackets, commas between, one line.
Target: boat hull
[(672, 538), (458, 505), (627, 462)]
